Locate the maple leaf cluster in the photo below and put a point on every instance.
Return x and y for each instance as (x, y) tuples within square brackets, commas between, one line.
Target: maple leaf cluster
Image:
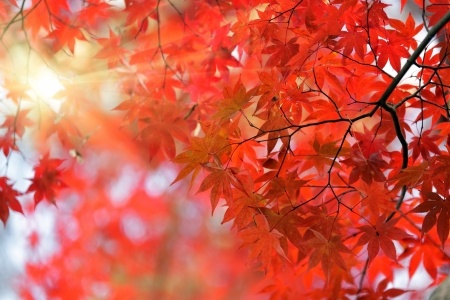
[(319, 128), (45, 184)]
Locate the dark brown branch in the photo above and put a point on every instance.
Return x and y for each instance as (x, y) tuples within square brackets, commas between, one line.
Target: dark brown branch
[(411, 60), (391, 108)]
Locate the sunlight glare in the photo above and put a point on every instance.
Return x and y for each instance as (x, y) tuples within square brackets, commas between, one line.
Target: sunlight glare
[(44, 83)]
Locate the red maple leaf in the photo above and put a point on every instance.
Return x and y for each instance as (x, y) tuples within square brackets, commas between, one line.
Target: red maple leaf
[(437, 8), (65, 35), (327, 251), (376, 198), (46, 181), (235, 99), (263, 242), (381, 235), (243, 209), (8, 200), (18, 122), (111, 49), (367, 168), (220, 182), (407, 29), (94, 13), (353, 41), (382, 291), (425, 144), (392, 49), (40, 15), (8, 143), (433, 205)]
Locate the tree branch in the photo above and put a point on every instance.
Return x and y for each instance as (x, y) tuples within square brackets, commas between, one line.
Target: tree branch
[(411, 60), (392, 108)]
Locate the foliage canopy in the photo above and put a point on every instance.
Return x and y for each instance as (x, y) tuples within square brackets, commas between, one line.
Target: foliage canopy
[(319, 128)]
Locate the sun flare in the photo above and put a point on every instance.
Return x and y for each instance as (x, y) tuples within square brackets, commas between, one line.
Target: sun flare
[(44, 83)]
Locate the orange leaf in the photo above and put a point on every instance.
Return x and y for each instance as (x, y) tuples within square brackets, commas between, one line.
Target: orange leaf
[(326, 251), (262, 242)]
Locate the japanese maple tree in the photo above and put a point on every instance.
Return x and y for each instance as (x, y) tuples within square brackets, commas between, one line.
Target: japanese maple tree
[(317, 130)]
